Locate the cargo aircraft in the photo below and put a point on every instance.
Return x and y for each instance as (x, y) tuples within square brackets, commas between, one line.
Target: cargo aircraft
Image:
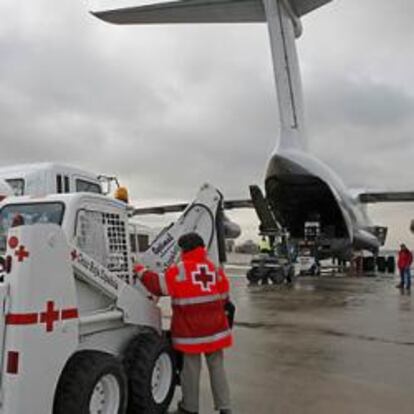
[(299, 188)]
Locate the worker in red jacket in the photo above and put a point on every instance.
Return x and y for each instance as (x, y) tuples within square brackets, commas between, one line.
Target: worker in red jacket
[(405, 259), (199, 294)]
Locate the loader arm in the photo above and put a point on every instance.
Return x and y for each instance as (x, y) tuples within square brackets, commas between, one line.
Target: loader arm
[(204, 215), (134, 305)]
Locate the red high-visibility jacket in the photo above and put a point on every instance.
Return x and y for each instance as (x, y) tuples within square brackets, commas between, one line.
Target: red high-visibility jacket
[(198, 293), (405, 259)]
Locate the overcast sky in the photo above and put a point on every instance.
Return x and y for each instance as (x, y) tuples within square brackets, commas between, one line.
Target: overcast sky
[(167, 108)]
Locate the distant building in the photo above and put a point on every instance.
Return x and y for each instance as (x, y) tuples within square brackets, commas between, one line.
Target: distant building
[(248, 247), (230, 245)]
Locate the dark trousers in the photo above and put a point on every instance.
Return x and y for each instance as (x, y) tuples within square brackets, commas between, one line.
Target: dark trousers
[(405, 275)]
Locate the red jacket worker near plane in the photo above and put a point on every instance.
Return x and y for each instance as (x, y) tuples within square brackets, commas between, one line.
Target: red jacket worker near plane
[(199, 293), (405, 259)]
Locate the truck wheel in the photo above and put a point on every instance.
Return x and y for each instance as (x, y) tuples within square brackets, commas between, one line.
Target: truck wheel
[(368, 264), (91, 383), (290, 276), (277, 276), (150, 366), (391, 264), (253, 276), (381, 264)]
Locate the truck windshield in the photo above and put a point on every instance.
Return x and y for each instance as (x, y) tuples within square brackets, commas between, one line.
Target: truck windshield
[(17, 184), (18, 214)]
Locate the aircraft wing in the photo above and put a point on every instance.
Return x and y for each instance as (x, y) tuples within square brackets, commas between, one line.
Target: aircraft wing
[(386, 197), (177, 208), (200, 11)]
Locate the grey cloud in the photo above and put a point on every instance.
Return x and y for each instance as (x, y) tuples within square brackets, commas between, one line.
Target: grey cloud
[(169, 107), (362, 103)]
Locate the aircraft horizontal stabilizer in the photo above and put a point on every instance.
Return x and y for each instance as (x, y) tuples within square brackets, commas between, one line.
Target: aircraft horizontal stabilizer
[(302, 7), (200, 11), (386, 197), (188, 11)]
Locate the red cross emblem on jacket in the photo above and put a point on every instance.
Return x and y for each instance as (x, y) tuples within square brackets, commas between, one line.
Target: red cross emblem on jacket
[(204, 278), (198, 293)]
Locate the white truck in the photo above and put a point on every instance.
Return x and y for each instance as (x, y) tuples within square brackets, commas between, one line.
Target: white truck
[(49, 178), (78, 334), (40, 179)]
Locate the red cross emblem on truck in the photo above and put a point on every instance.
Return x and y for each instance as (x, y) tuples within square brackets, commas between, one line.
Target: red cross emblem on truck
[(21, 253), (204, 278), (50, 316), (47, 317), (74, 254)]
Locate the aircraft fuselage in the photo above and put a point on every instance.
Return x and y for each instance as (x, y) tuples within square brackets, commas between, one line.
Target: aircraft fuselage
[(300, 188)]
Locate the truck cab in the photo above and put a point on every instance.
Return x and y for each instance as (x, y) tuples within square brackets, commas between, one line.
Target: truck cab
[(39, 180), (49, 178)]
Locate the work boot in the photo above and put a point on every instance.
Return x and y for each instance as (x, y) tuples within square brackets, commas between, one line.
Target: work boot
[(400, 286)]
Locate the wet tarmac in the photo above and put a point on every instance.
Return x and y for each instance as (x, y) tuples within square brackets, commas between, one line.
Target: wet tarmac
[(337, 345)]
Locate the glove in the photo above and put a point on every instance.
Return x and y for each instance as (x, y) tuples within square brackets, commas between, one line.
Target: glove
[(139, 269), (230, 311)]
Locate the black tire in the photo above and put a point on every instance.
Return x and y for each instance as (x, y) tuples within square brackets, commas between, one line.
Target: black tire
[(264, 275), (277, 276), (253, 276), (381, 264), (140, 360), (391, 264), (368, 264), (81, 375), (290, 275)]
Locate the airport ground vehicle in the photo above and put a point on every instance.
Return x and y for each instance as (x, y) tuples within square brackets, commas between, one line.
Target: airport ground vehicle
[(307, 265), (49, 178), (306, 259), (54, 178), (78, 333), (265, 268), (275, 266)]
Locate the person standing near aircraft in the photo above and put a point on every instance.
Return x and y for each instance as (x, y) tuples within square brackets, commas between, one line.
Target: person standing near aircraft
[(200, 324), (405, 258), (264, 245)]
